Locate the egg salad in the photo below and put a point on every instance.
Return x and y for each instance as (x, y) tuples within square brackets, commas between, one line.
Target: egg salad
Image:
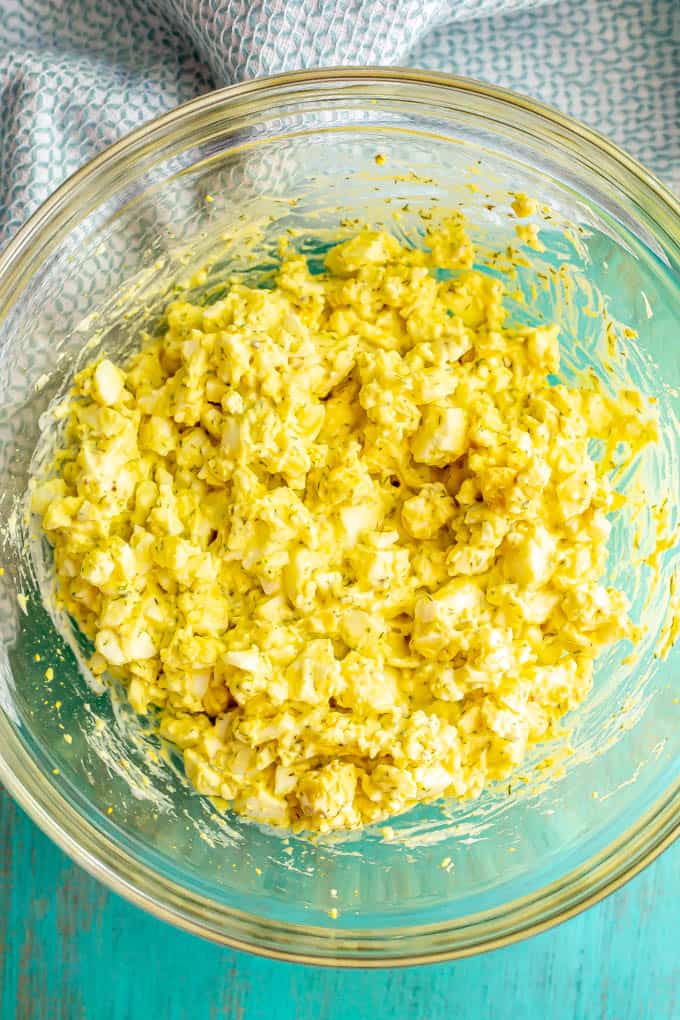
[(344, 536)]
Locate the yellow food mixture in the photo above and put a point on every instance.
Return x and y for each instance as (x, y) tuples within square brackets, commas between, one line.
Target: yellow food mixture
[(343, 533)]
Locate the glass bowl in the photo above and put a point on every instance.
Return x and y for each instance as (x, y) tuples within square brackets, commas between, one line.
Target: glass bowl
[(92, 268)]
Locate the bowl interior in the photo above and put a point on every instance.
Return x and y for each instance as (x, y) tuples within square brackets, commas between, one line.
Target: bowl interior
[(97, 276)]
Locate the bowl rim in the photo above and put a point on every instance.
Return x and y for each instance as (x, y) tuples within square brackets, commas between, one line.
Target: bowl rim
[(98, 854)]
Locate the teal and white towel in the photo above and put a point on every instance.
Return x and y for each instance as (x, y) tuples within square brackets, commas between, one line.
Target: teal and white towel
[(75, 75)]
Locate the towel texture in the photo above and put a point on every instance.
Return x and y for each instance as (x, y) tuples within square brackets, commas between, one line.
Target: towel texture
[(75, 75)]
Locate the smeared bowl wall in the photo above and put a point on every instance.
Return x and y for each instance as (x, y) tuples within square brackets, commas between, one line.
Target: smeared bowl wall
[(219, 185)]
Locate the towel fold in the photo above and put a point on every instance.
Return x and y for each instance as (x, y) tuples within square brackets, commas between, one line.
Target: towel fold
[(76, 75)]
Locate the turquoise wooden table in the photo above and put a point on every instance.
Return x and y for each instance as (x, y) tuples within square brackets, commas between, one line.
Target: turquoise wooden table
[(70, 950)]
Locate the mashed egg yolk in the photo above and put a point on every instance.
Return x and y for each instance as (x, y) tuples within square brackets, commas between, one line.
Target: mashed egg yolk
[(345, 535)]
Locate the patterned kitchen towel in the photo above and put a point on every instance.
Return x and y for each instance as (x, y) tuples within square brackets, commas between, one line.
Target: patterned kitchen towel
[(75, 75)]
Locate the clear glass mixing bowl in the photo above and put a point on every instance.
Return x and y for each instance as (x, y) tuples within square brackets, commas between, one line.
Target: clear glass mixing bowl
[(91, 269)]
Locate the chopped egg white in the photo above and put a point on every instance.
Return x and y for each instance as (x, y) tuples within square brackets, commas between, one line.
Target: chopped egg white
[(343, 533)]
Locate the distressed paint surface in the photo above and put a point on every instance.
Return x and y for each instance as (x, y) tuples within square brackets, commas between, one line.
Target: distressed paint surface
[(70, 950)]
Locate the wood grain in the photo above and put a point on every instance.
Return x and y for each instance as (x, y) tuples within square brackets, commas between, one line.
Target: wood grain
[(70, 950)]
